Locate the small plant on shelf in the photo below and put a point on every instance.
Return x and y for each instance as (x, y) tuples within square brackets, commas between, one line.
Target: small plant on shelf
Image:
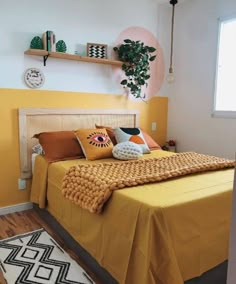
[(136, 57), (36, 43), (61, 46)]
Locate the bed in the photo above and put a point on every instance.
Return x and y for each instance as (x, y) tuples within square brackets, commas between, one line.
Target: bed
[(168, 232)]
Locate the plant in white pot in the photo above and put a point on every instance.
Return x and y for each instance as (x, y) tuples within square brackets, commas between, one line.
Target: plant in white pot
[(136, 57)]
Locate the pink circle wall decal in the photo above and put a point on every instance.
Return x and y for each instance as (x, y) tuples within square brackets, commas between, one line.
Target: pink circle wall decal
[(157, 67)]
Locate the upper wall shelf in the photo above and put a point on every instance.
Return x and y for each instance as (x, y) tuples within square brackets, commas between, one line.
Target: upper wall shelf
[(61, 55)]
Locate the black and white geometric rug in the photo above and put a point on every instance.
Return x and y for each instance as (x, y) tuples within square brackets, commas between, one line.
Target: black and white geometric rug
[(37, 258)]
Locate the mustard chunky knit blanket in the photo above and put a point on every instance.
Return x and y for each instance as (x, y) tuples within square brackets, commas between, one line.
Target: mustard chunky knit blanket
[(90, 186)]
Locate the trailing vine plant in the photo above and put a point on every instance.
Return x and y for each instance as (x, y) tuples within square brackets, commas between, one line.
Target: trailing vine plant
[(136, 57)]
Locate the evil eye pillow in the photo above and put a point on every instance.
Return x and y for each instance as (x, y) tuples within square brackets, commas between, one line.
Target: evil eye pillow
[(127, 151), (95, 143)]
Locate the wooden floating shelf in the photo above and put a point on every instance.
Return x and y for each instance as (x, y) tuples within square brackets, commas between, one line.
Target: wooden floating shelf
[(62, 55)]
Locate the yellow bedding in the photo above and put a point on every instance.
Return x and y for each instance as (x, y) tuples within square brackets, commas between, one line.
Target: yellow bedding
[(162, 233)]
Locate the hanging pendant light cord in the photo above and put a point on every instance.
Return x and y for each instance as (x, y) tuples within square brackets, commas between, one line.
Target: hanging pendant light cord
[(173, 2)]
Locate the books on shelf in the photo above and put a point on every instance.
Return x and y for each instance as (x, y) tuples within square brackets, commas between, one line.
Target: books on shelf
[(49, 41)]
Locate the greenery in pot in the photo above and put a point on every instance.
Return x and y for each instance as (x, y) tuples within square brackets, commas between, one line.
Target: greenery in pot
[(136, 57)]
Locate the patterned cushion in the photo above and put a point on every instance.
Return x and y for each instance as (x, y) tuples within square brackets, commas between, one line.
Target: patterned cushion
[(95, 143), (135, 135), (152, 144), (127, 151), (110, 132)]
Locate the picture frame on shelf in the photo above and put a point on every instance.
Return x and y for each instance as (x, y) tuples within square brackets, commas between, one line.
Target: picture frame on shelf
[(97, 50)]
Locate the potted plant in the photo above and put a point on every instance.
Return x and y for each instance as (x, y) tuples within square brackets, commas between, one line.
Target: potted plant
[(171, 145), (136, 57)]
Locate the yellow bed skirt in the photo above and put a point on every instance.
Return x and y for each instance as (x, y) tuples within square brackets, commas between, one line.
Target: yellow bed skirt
[(160, 233)]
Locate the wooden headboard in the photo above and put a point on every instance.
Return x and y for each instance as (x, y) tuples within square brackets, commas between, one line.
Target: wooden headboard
[(36, 120)]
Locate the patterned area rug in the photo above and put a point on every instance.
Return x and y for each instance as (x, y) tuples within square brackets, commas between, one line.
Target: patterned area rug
[(37, 258)]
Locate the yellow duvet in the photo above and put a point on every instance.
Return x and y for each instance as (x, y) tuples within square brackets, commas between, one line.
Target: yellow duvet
[(162, 233)]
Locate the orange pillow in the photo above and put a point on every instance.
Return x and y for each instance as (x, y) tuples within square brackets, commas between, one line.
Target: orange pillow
[(152, 144), (95, 143), (59, 145)]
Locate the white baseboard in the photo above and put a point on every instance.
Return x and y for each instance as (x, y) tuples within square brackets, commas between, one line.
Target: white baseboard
[(16, 208)]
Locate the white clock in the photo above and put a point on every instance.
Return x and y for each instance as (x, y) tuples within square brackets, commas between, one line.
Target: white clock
[(34, 78)]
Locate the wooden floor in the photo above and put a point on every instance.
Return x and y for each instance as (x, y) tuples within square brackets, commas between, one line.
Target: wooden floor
[(27, 221)]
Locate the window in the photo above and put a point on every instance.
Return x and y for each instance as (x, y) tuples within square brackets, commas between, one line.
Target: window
[(225, 83)]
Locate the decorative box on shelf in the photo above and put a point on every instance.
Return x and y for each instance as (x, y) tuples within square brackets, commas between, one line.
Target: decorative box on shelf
[(96, 50)]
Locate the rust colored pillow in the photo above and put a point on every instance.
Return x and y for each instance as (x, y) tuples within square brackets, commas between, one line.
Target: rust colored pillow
[(59, 145), (95, 143), (152, 144)]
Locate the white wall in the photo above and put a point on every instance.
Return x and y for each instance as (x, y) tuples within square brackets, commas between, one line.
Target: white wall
[(76, 22), (191, 96)]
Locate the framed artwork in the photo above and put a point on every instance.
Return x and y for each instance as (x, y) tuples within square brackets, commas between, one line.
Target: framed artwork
[(97, 50)]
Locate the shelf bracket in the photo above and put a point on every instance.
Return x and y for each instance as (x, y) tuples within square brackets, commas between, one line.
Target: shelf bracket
[(45, 57)]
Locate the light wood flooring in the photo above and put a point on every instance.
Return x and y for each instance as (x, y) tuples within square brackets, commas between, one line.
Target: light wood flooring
[(27, 221)]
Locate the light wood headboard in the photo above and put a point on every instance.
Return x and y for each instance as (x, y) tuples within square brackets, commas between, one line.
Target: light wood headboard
[(36, 120)]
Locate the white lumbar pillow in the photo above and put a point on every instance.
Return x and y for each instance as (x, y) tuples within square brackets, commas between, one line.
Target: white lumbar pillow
[(127, 151)]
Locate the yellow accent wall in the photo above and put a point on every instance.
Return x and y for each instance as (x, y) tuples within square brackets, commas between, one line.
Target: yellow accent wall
[(12, 99)]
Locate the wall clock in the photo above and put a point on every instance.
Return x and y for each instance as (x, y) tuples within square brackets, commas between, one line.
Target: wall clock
[(34, 78)]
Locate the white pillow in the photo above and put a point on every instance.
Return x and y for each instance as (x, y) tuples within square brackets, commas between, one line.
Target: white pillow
[(127, 151), (131, 134)]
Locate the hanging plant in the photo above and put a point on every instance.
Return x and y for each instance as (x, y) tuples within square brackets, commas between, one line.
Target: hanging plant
[(136, 57), (36, 43), (61, 46)]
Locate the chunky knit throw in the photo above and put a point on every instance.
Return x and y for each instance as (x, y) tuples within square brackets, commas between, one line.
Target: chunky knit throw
[(90, 186)]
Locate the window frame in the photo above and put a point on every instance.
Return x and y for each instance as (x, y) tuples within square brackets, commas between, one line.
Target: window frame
[(221, 113)]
